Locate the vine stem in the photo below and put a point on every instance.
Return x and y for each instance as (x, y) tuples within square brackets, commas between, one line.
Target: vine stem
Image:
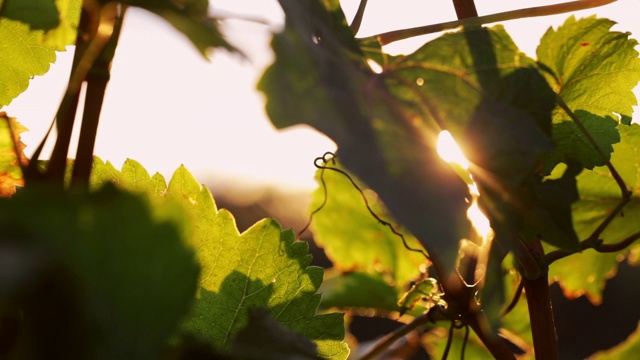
[(543, 329), (97, 25), (465, 9), (598, 246), (97, 79), (496, 346), (396, 35), (357, 19)]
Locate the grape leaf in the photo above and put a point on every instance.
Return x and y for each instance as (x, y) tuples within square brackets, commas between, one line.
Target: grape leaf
[(11, 155), (65, 34), (573, 145), (190, 17), (320, 78), (627, 349), (22, 55), (262, 268), (594, 70), (111, 260), (586, 272), (37, 14), (478, 85)]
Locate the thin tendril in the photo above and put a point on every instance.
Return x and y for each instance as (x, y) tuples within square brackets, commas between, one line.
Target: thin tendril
[(324, 190), (445, 354), (464, 341), (514, 300), (325, 160)]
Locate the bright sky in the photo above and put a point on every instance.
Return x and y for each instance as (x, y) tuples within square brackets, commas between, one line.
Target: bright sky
[(167, 106)]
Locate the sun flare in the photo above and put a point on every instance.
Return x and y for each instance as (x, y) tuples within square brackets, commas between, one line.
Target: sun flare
[(450, 152)]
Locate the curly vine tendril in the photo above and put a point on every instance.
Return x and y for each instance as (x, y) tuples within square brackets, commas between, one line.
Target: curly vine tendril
[(321, 163)]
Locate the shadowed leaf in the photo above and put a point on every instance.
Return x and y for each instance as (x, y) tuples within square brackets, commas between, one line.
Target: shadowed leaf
[(627, 349), (37, 14), (113, 260)]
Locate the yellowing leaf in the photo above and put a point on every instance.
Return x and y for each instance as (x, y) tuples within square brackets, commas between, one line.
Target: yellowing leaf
[(11, 155)]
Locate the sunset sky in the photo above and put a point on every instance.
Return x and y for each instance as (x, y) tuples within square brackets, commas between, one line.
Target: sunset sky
[(167, 106)]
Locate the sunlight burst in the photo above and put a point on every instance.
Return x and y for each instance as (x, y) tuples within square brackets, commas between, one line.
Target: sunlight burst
[(450, 152)]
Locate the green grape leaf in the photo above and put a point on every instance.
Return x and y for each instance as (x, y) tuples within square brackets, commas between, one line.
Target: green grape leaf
[(11, 155), (263, 268), (573, 145), (133, 176), (585, 273), (65, 34), (191, 18), (354, 240), (479, 86), (594, 70), (111, 261), (37, 14), (22, 55), (627, 349), (320, 78)]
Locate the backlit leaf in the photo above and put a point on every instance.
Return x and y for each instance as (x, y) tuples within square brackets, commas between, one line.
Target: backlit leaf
[(320, 78), (263, 268), (586, 272), (593, 70), (22, 55), (65, 33), (11, 155)]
